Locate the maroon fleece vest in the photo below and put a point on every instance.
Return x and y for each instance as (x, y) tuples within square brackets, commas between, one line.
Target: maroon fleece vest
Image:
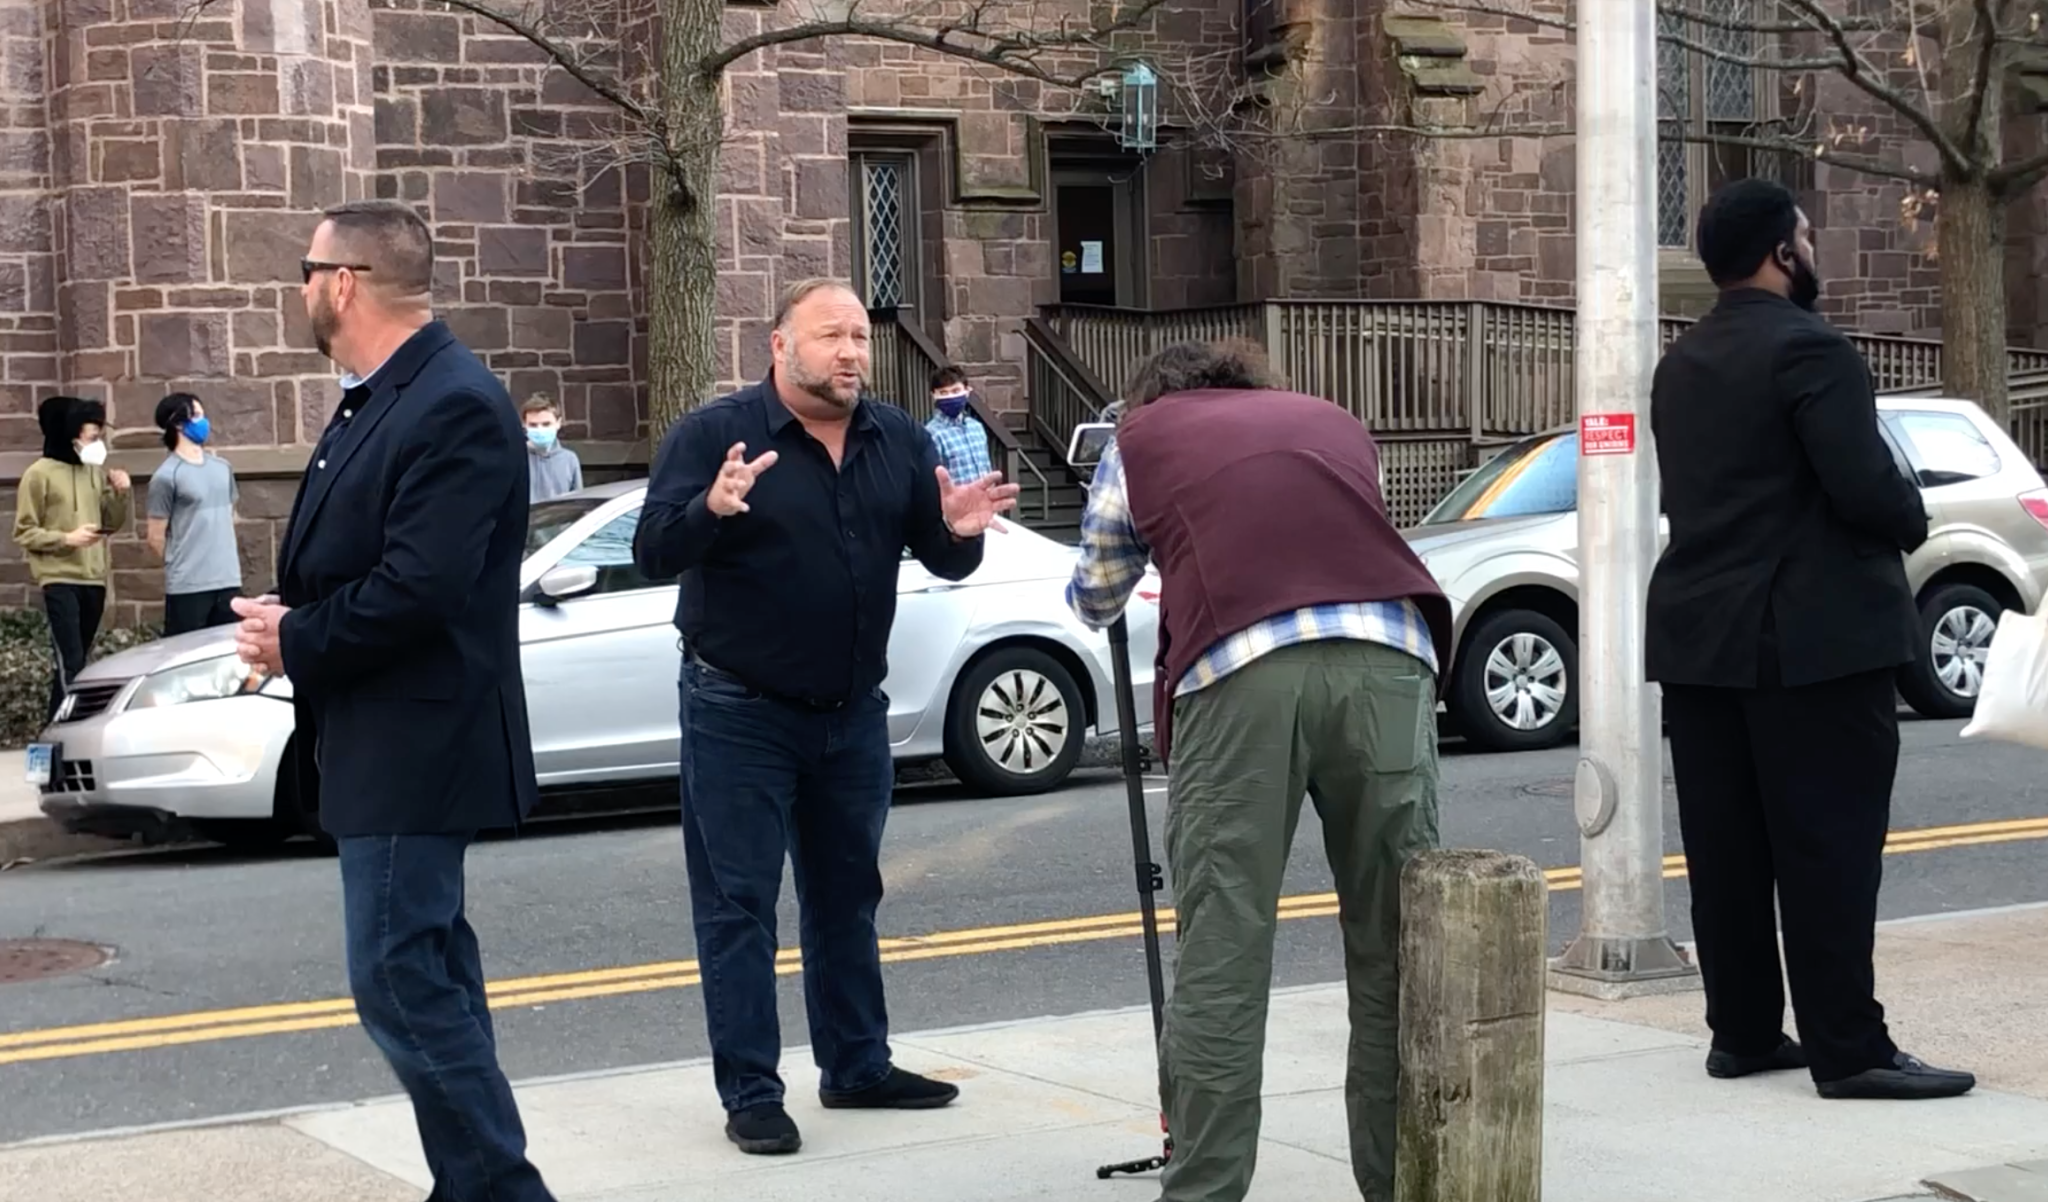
[(1256, 504)]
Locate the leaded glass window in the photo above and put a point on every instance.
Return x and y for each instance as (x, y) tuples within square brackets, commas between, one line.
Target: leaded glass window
[(884, 200)]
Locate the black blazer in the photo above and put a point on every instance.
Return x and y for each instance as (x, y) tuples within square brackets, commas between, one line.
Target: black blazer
[(401, 568), (1783, 498)]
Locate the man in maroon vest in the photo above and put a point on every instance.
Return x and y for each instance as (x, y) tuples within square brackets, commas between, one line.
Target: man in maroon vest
[(1300, 642)]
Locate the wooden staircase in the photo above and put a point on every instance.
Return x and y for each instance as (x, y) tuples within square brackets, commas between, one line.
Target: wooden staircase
[(1053, 496)]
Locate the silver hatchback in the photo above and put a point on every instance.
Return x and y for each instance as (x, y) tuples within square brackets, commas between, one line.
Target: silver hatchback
[(992, 674), (1504, 545)]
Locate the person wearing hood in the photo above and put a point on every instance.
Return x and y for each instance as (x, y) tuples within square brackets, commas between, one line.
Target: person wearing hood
[(68, 504)]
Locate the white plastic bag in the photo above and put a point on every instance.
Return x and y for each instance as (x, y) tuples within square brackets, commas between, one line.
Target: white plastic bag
[(2012, 706)]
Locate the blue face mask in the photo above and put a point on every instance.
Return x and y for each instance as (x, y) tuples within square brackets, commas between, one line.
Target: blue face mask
[(197, 429), (541, 438), (952, 406)]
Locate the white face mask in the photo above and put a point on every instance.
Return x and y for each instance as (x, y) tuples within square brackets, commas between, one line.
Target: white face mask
[(93, 454)]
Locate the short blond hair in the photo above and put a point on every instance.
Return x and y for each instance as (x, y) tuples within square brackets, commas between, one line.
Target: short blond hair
[(803, 290), (539, 402)]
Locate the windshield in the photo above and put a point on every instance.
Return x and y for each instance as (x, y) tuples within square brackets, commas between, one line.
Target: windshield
[(546, 521), (1533, 477)]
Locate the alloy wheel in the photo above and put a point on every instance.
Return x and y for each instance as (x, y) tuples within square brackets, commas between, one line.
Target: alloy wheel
[(1526, 682), (1960, 644), (1022, 721)]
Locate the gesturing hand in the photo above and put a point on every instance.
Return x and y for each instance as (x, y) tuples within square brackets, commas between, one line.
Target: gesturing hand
[(736, 478), (119, 479), (970, 509)]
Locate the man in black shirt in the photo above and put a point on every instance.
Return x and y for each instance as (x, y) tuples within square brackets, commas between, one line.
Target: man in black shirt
[(788, 562), (1778, 617)]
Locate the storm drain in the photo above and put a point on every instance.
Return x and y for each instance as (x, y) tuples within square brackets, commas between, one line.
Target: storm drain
[(38, 959)]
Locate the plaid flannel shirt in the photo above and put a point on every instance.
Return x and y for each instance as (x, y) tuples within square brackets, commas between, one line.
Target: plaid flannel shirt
[(963, 445), (1113, 560)]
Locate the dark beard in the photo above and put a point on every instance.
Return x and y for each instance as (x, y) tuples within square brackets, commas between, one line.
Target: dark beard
[(1805, 286)]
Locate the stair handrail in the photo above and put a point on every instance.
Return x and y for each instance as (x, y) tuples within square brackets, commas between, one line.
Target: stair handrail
[(1072, 371), (1013, 450)]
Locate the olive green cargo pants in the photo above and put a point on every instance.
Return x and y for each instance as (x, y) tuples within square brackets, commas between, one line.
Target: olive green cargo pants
[(1352, 725)]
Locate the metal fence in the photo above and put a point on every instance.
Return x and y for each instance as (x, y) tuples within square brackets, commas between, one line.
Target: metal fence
[(1439, 382)]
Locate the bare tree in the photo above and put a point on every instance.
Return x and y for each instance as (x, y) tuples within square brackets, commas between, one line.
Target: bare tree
[(661, 67), (1943, 70)]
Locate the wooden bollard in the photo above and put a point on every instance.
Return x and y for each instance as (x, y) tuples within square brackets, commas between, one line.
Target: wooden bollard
[(1473, 944)]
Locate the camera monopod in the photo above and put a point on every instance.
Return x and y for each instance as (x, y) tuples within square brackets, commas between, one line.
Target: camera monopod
[(1150, 880)]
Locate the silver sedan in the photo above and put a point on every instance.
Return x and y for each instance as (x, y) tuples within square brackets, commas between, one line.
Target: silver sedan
[(1504, 545), (992, 674)]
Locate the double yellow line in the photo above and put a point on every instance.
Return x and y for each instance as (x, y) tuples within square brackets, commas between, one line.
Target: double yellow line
[(173, 1030)]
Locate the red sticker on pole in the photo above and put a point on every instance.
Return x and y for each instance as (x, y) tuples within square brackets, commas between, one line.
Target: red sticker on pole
[(1607, 434)]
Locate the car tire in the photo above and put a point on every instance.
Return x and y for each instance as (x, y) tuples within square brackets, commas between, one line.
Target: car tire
[(1016, 723), (1504, 694), (1939, 684)]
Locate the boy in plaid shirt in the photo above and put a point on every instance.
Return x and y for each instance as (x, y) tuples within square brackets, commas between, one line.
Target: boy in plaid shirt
[(960, 437)]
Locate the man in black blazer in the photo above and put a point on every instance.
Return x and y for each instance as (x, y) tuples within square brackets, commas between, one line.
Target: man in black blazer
[(398, 628), (1778, 617)]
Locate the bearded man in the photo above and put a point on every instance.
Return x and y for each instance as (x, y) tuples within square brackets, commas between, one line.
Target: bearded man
[(786, 508)]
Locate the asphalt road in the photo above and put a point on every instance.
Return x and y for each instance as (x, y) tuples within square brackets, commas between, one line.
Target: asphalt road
[(197, 931)]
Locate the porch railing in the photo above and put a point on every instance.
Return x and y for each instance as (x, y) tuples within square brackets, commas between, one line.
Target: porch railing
[(1438, 381)]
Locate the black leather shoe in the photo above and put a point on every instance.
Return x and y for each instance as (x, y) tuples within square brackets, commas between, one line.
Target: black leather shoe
[(1727, 1066), (764, 1130), (1908, 1080), (897, 1091)]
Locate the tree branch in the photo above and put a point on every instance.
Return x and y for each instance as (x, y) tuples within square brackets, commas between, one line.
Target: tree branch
[(572, 63), (1987, 58), (2012, 179), (1010, 51), (1664, 8), (1864, 76)]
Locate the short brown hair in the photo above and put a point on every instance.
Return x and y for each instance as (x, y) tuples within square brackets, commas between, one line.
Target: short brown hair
[(801, 291), (392, 238), (1193, 366), (539, 402)]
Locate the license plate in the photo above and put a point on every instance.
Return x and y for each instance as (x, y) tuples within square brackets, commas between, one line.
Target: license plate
[(42, 763)]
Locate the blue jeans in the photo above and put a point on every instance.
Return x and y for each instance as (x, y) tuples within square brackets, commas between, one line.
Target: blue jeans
[(418, 980), (763, 778)]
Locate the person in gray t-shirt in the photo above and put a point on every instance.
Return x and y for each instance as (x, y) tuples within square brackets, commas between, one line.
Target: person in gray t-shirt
[(192, 521)]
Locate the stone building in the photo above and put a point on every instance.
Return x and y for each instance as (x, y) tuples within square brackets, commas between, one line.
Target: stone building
[(162, 163)]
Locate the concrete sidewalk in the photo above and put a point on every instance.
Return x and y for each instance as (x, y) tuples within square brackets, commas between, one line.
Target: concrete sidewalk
[(1630, 1114)]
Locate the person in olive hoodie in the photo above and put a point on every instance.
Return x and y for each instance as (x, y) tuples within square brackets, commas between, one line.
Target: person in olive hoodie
[(68, 503)]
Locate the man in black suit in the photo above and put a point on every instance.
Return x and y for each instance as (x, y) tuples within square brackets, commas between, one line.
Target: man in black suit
[(398, 629), (1778, 617)]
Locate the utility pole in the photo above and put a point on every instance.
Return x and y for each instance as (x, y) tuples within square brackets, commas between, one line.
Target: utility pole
[(1623, 946)]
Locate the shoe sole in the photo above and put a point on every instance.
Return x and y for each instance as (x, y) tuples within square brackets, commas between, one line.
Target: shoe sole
[(908, 1104), (1723, 1073), (780, 1146), (1878, 1095)]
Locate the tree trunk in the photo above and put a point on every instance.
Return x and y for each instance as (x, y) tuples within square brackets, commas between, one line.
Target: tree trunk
[(1970, 228), (682, 281)]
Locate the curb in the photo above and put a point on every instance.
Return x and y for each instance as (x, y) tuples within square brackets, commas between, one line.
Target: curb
[(28, 840)]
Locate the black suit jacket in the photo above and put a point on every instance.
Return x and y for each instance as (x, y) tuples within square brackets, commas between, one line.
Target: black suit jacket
[(401, 568), (1784, 499)]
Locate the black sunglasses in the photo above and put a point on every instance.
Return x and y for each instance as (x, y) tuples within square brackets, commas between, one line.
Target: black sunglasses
[(308, 267)]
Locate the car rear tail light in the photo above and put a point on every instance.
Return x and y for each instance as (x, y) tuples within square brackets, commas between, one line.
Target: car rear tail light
[(2036, 503)]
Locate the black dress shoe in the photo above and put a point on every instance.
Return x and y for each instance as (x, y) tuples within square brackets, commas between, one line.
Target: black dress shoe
[(1727, 1066), (1908, 1080), (897, 1091), (763, 1130)]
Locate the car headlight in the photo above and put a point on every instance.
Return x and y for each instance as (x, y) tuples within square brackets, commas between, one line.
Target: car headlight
[(208, 680)]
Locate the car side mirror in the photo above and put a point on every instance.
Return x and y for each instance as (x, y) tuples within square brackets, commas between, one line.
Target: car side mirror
[(560, 584), (1089, 443)]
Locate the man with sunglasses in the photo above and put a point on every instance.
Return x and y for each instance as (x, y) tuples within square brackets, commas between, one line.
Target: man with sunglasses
[(398, 627)]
